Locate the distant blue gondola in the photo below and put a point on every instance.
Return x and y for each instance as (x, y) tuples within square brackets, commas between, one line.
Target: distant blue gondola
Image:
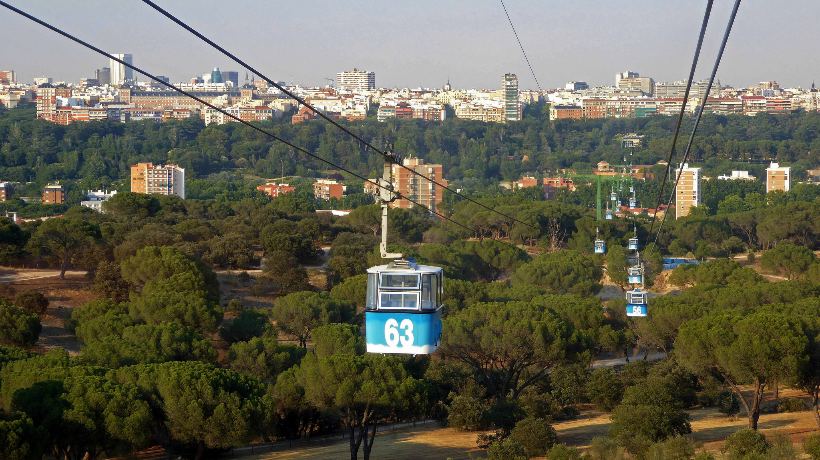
[(635, 274), (636, 303), (632, 244)]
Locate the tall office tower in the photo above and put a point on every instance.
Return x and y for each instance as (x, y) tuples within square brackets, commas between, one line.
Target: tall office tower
[(356, 80), (512, 108), (120, 73), (216, 76), (103, 75), (160, 179), (687, 193), (416, 188), (778, 178), (231, 76)]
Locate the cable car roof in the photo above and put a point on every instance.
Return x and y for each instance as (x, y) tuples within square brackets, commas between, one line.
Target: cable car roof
[(404, 268)]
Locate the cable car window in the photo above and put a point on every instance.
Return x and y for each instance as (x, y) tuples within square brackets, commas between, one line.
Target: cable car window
[(398, 280), (372, 288), (429, 292), (399, 301)]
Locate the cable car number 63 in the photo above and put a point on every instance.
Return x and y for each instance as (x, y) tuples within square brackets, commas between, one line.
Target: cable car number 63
[(393, 336)]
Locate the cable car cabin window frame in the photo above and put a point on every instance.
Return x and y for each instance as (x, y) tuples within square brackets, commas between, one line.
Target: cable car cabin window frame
[(636, 297), (372, 297), (384, 276), (431, 287), (415, 295)]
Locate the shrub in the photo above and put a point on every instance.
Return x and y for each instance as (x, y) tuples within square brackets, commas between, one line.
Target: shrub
[(605, 389), (535, 434), (647, 414), (503, 414), (568, 384), (466, 411), (728, 403), (507, 449), (675, 448), (791, 405), (562, 452), (743, 443), (33, 301), (603, 448), (247, 325), (811, 445), (18, 326), (781, 448)]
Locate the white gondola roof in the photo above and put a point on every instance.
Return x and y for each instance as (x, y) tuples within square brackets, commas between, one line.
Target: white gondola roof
[(409, 268)]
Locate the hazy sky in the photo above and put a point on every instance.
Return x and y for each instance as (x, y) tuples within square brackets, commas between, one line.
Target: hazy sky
[(422, 42)]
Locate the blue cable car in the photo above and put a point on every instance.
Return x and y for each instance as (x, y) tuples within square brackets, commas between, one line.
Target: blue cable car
[(636, 303), (403, 302), (600, 246), (632, 244), (403, 308), (608, 214), (634, 275), (633, 203), (613, 196)]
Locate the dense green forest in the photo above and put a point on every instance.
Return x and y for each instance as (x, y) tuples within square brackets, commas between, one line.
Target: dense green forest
[(97, 155)]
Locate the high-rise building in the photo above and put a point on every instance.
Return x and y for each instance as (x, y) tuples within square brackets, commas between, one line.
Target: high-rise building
[(687, 193), (158, 180), (5, 191), (6, 77), (216, 76), (778, 178), (512, 107), (103, 76), (231, 76), (356, 80), (120, 73), (418, 189), (53, 194)]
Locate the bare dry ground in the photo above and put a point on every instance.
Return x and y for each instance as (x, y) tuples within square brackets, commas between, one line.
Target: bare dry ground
[(63, 295), (709, 428)]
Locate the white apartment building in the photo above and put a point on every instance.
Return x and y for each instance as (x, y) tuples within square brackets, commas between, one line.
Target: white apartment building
[(95, 199), (356, 80)]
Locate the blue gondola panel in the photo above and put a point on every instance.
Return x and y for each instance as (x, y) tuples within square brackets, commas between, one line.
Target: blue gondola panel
[(403, 333)]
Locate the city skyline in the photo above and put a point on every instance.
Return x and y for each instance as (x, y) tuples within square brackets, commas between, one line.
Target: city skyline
[(470, 47)]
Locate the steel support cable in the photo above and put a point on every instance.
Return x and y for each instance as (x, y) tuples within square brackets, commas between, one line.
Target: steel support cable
[(300, 100), (700, 111), (695, 59), (224, 112), (520, 45)]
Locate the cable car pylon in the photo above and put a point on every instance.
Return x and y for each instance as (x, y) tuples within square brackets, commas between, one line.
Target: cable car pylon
[(403, 304)]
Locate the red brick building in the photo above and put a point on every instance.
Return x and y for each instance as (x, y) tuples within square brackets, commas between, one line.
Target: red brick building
[(274, 190)]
